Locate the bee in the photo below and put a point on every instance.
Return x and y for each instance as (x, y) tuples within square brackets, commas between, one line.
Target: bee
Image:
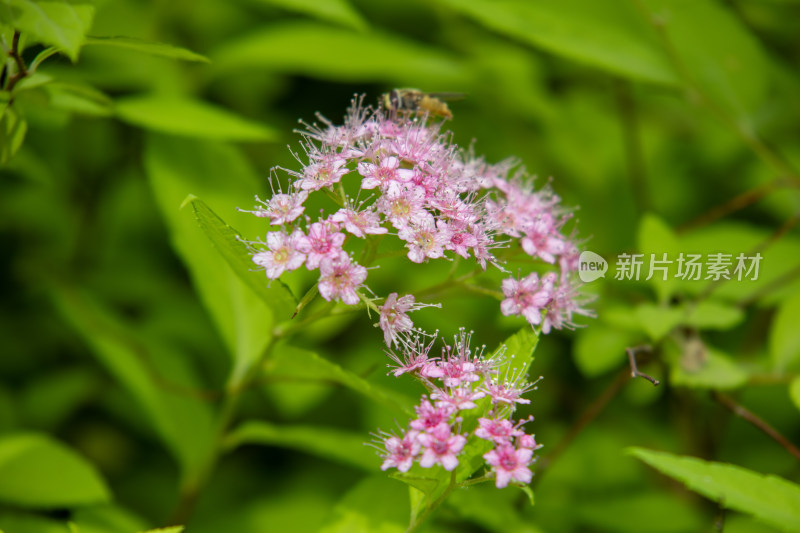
[(416, 101)]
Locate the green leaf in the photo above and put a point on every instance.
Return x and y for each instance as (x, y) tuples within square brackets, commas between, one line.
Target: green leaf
[(52, 397), (376, 504), (713, 315), (337, 11), (12, 132), (173, 529), (147, 47), (26, 522), (37, 471), (106, 519), (608, 35), (519, 350), (784, 335), (330, 443), (81, 99), (657, 321), (735, 238), (627, 511), (192, 118), (61, 23), (656, 238), (221, 176), (721, 58), (599, 349), (492, 509), (794, 391), (327, 52), (226, 240), (157, 378), (709, 369), (771, 499), (292, 363)]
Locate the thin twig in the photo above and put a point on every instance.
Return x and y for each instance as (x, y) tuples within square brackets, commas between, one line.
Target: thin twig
[(22, 70), (749, 416), (635, 372), (736, 203)]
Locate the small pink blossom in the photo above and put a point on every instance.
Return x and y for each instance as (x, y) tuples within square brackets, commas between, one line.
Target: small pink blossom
[(526, 297), (359, 223), (441, 446), (528, 441), (282, 208), (457, 364), (404, 206), (387, 174), (510, 464), (424, 240), (542, 240), (401, 452), (459, 398), (508, 390), (430, 416), (283, 254), (323, 242), (328, 170), (499, 431), (414, 355), (340, 277), (394, 319)]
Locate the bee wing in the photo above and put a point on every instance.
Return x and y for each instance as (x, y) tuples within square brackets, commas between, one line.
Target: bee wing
[(448, 96)]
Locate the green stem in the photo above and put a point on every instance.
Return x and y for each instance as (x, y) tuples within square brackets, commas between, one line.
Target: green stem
[(192, 489), (289, 327), (417, 521)]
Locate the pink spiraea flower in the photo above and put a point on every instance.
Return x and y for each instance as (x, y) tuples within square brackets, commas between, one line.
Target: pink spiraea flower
[(440, 446), (414, 358), (324, 241), (430, 416), (281, 208), (327, 169), (497, 430), (359, 223), (394, 320), (401, 452), (510, 464), (437, 427), (442, 202), (284, 253), (526, 297), (340, 277), (387, 174)]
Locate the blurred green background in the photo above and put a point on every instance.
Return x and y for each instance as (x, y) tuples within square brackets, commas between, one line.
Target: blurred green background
[(672, 124)]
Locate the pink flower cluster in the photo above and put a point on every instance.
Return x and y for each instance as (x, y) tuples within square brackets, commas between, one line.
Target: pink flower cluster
[(399, 175), (462, 385)]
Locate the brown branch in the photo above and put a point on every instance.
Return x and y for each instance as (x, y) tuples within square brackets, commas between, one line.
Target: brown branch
[(635, 373), (736, 203), (592, 412), (749, 416), (22, 69)]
